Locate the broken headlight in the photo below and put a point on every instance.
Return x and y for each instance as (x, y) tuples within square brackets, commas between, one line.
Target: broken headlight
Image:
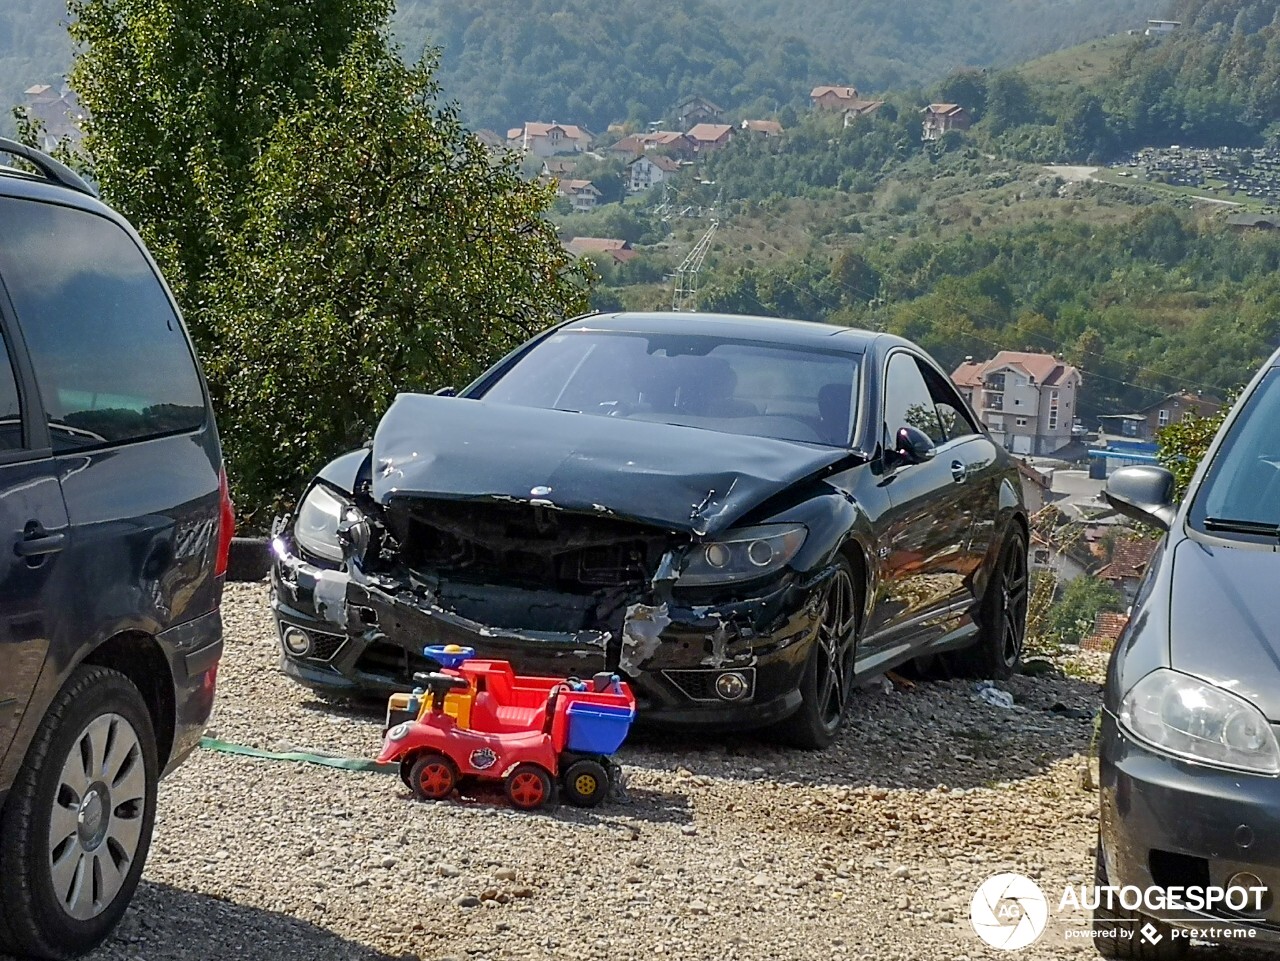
[(316, 526), (742, 555)]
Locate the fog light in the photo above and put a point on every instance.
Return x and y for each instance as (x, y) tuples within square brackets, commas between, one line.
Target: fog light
[(731, 686), (1258, 902), (297, 641)]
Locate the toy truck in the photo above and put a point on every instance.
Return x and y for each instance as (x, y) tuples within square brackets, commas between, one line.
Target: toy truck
[(476, 718)]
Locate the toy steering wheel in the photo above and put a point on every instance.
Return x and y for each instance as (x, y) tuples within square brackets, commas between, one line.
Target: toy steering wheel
[(439, 685)]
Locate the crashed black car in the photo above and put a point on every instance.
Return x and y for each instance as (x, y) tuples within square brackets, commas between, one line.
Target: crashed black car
[(741, 515)]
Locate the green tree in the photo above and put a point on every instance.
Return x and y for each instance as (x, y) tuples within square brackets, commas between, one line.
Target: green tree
[(1181, 445), (334, 232), (1071, 619)]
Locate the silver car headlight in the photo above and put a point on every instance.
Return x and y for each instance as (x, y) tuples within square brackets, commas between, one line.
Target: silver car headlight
[(316, 526), (1186, 717), (743, 554)]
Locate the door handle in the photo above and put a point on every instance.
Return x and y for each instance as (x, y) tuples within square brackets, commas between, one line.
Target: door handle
[(959, 471), (37, 542)]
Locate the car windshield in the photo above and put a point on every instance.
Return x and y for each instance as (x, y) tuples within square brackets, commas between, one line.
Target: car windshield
[(1240, 493), (739, 387)]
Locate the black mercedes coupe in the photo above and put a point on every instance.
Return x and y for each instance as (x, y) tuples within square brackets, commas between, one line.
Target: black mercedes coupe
[(743, 516)]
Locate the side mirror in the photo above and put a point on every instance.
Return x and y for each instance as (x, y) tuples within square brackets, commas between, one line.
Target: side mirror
[(446, 392), (912, 446), (1144, 493)]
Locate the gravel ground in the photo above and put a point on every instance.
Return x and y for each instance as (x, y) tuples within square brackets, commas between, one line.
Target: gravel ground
[(728, 848)]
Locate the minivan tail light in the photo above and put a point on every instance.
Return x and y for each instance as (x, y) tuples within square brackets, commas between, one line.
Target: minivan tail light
[(226, 524)]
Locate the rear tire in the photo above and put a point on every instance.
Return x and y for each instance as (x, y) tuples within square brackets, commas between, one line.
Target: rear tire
[(1002, 616), (76, 827), (586, 783), (529, 787), (1117, 932), (827, 683)]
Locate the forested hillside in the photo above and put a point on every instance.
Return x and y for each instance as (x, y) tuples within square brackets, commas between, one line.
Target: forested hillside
[(587, 62), (882, 45)]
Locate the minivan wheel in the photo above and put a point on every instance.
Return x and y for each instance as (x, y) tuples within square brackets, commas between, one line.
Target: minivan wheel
[(827, 683), (1002, 616), (76, 827)]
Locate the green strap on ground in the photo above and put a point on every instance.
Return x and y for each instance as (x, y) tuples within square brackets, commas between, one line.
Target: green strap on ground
[(342, 763)]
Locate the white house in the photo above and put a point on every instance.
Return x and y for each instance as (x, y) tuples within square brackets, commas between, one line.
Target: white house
[(1027, 400), (549, 139), (649, 169)]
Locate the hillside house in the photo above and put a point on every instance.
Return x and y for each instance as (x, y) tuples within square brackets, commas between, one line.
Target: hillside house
[(939, 118), (1160, 28), (1242, 223), (859, 109), (558, 167), (549, 139), (583, 195), (1026, 400), (707, 137), (833, 98), (1037, 487), (1129, 560), (620, 250), (58, 111), (649, 170), (692, 111), (632, 145), (1144, 423), (764, 128), (1107, 629), (1050, 556)]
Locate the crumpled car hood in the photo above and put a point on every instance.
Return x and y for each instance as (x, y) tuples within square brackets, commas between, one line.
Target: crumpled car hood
[(1224, 620), (678, 478)]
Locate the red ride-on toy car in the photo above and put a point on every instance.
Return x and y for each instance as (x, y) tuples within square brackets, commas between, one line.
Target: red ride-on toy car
[(479, 719)]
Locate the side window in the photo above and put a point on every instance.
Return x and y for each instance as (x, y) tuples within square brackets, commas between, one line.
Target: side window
[(907, 401), (10, 404), (951, 410), (110, 357)]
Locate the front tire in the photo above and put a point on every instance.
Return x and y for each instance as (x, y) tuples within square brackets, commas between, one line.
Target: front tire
[(827, 684), (432, 776), (1002, 616), (76, 828), (529, 787)]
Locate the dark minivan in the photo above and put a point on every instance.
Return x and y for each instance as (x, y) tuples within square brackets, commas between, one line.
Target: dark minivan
[(116, 525)]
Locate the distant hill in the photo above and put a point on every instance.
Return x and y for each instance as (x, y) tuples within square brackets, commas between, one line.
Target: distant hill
[(883, 45), (591, 63)]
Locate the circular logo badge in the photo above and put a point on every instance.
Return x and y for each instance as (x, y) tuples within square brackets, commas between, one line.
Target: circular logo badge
[(1008, 911), (483, 758)]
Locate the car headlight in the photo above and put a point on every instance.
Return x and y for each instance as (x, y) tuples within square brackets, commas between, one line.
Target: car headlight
[(742, 555), (1184, 716), (316, 524)]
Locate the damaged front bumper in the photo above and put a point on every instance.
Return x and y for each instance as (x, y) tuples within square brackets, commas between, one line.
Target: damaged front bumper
[(363, 634)]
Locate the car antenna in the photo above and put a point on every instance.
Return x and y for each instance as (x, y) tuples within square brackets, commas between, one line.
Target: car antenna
[(53, 170)]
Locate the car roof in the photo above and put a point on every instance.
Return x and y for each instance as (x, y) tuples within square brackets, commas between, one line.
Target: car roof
[(29, 186), (732, 327)]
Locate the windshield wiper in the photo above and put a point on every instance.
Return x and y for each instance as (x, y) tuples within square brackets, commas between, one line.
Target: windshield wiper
[(1233, 526)]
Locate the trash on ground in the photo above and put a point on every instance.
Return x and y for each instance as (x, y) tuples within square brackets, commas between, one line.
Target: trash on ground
[(993, 695)]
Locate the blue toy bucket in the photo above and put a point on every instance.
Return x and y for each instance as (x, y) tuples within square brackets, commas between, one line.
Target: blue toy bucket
[(598, 728)]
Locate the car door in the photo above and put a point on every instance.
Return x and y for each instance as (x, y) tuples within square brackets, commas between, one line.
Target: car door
[(923, 537), (33, 534), (973, 460)]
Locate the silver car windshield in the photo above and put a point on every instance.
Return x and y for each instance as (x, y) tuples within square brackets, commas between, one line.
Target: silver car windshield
[(739, 387), (1240, 493)]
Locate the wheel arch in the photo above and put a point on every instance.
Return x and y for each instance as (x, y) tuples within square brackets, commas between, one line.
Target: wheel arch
[(138, 657), (855, 552)]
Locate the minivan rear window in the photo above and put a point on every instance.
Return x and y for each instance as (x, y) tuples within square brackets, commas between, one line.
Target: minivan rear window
[(111, 359)]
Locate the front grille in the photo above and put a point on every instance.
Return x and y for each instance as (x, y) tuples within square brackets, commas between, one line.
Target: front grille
[(391, 660), (530, 547), (325, 646)]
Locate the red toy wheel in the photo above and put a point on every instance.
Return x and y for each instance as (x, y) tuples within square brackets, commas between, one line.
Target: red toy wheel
[(433, 777), (529, 787)]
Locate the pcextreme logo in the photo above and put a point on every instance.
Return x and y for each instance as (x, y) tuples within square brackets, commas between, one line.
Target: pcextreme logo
[(1008, 911)]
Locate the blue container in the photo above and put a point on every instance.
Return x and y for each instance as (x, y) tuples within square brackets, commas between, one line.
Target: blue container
[(598, 728)]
